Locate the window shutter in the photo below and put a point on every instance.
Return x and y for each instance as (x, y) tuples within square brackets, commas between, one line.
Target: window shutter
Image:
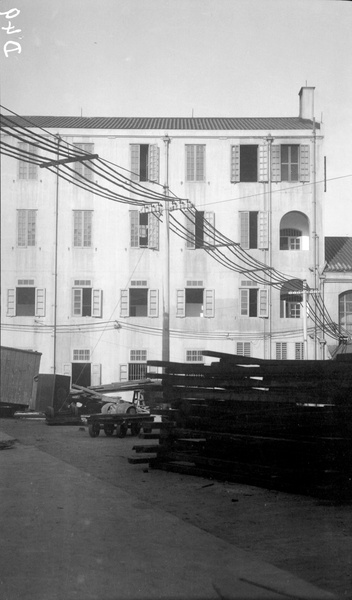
[(263, 163), (200, 162), (275, 163), (123, 372), (190, 162), (263, 303), (97, 303), (235, 164), (96, 375), (135, 161), (190, 226), (11, 303), (209, 304), (124, 305), (77, 294), (40, 302), (244, 229), (154, 160), (180, 303), (304, 163), (244, 348), (209, 223), (153, 303), (244, 301), (134, 223), (153, 232), (263, 230), (67, 369)]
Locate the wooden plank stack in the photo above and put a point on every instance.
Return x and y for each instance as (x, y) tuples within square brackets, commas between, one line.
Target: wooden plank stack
[(280, 424)]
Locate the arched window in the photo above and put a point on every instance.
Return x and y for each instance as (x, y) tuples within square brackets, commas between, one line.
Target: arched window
[(294, 231), (345, 311)]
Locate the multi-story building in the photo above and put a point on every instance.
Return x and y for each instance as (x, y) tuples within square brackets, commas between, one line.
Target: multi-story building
[(100, 286)]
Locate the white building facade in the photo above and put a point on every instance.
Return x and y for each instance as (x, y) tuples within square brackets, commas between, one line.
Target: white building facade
[(99, 286)]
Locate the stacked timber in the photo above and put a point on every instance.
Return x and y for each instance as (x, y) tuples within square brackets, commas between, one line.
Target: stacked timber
[(282, 424)]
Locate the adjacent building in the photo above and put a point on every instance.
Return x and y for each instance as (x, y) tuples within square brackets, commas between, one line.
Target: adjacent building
[(99, 281)]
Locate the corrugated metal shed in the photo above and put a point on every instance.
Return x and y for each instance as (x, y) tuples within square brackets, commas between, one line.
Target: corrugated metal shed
[(164, 123), (338, 254)]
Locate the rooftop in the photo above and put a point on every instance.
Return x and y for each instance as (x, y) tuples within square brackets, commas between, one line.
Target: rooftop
[(164, 123), (338, 254)]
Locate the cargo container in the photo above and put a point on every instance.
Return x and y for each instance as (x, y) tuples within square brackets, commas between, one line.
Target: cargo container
[(18, 369)]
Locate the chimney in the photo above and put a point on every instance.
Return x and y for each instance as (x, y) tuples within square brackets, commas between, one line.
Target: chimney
[(306, 103)]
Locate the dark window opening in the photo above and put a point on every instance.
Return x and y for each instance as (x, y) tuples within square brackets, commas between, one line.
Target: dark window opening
[(81, 374), (25, 302), (194, 302), (86, 302), (138, 302), (143, 162), (248, 163), (253, 303), (143, 228), (253, 229), (199, 229), (137, 371)]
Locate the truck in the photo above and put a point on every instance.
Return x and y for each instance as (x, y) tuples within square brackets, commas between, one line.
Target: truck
[(18, 370)]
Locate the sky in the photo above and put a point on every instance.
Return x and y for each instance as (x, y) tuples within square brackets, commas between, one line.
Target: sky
[(233, 58)]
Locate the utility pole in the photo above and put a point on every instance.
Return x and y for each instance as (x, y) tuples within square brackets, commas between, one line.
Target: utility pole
[(165, 351), (270, 140), (305, 317), (57, 163)]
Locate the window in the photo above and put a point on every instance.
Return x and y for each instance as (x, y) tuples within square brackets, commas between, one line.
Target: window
[(194, 356), (27, 170), (137, 368), (254, 229), (144, 230), (299, 350), (290, 162), (253, 301), (291, 309), (26, 228), (195, 162), (200, 229), (195, 301), (83, 168), (345, 311), (26, 300), (281, 350), (145, 162), (86, 302), (139, 301), (249, 163), (290, 239), (81, 355), (243, 348), (82, 228)]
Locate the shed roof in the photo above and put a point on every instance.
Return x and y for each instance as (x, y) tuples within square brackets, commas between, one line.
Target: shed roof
[(165, 123), (338, 254)]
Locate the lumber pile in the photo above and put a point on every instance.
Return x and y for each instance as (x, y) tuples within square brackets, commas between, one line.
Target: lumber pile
[(280, 424)]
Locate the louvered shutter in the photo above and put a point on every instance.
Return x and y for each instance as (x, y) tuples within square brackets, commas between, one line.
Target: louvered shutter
[(275, 163), (200, 162), (40, 302), (209, 304), (190, 226), (153, 232), (67, 369), (209, 224), (153, 303), (304, 163), (263, 230), (77, 296), (244, 348), (11, 303), (244, 301), (235, 164), (97, 303), (180, 303), (124, 304), (123, 372), (96, 375), (135, 162), (134, 228), (244, 229), (263, 174), (153, 163), (190, 163), (263, 303)]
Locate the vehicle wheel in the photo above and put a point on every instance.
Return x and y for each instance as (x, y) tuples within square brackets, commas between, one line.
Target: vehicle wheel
[(135, 428), (94, 429), (109, 408), (108, 429), (121, 430), (131, 411)]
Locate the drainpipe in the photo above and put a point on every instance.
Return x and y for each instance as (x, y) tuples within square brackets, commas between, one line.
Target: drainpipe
[(56, 251), (270, 140), (165, 351)]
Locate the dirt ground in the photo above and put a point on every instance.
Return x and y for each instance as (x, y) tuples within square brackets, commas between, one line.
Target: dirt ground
[(309, 537)]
